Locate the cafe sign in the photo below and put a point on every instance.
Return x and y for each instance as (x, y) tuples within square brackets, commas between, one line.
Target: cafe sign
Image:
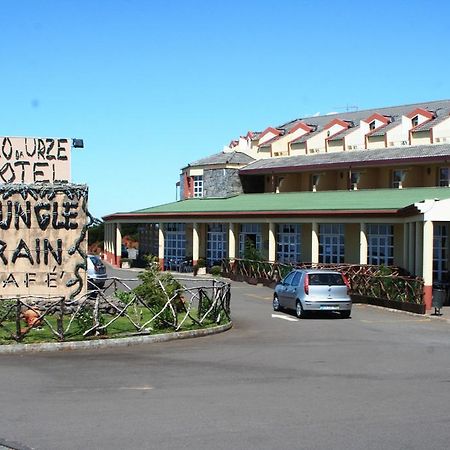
[(43, 240)]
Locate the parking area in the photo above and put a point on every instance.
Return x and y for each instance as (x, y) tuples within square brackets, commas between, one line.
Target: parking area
[(378, 380)]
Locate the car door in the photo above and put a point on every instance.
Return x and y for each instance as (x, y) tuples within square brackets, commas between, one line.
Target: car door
[(291, 291), (283, 290)]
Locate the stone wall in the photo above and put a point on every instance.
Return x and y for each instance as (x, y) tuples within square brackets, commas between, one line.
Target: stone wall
[(221, 183)]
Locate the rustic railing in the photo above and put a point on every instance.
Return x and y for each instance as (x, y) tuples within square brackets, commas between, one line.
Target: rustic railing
[(113, 311), (388, 283)]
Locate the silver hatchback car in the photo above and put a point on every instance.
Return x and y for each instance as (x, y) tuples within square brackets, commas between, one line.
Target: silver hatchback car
[(313, 290)]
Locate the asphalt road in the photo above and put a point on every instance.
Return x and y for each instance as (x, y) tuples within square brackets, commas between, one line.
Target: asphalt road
[(380, 380)]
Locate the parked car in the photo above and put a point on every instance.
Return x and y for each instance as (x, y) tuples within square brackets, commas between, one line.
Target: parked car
[(313, 290), (96, 272)]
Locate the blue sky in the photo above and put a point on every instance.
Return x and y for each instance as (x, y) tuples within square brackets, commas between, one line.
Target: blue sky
[(153, 85)]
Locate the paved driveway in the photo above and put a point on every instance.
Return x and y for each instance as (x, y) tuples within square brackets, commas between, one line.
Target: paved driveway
[(380, 380)]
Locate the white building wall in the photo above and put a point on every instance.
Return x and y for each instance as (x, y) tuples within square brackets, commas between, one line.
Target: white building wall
[(441, 132), (281, 146), (267, 137), (356, 139), (334, 129), (396, 136), (316, 144)]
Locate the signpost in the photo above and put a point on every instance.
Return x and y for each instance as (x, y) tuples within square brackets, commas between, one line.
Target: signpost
[(43, 220)]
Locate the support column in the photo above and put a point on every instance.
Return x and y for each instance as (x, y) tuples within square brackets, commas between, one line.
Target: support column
[(427, 262), (105, 241), (363, 245), (118, 245), (231, 242), (418, 269), (108, 243), (315, 243), (161, 245), (272, 242), (411, 249), (195, 243), (405, 245)]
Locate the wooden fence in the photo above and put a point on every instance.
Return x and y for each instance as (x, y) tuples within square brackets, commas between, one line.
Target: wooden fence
[(367, 281), (101, 311)]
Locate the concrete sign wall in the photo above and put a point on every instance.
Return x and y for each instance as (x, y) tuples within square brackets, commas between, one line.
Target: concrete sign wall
[(34, 160), (43, 240)]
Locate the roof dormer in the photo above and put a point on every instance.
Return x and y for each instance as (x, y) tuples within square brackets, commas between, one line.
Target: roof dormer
[(376, 121), (301, 126), (336, 126), (268, 134), (419, 116)]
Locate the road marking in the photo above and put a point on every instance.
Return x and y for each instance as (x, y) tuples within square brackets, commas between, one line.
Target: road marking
[(136, 388), (110, 388), (258, 296), (279, 316)]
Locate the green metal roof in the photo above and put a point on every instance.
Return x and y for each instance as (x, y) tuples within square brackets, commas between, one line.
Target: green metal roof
[(371, 199)]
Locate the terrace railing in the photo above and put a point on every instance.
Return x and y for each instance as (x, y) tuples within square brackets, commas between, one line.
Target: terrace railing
[(389, 283)]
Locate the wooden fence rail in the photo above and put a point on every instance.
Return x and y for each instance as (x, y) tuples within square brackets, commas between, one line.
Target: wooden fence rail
[(97, 311), (389, 283)]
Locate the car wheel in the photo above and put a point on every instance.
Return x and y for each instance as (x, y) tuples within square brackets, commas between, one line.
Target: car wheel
[(299, 312), (345, 314), (276, 303)]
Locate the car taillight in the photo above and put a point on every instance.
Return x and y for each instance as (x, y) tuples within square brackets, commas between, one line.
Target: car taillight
[(306, 284), (346, 283)]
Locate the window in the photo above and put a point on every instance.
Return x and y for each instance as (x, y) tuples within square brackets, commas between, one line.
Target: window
[(288, 243), (250, 235), (289, 278), (398, 177), (296, 279), (354, 179), (216, 246), (444, 176), (198, 186), (440, 252), (174, 243), (314, 181), (372, 125), (331, 243), (326, 279), (380, 238), (415, 121)]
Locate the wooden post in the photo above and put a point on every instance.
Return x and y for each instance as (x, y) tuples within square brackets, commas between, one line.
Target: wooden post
[(18, 326), (60, 320)]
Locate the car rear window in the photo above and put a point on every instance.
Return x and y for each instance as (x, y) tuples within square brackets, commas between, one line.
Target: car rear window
[(326, 279)]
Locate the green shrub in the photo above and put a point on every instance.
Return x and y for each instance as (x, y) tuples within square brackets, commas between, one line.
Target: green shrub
[(201, 262), (151, 292), (8, 309), (216, 270), (250, 251)]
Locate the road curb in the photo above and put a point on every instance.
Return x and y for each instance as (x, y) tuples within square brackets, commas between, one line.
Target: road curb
[(408, 313), (111, 343)]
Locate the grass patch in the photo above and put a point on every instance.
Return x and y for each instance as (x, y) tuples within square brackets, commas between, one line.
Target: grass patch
[(121, 327)]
